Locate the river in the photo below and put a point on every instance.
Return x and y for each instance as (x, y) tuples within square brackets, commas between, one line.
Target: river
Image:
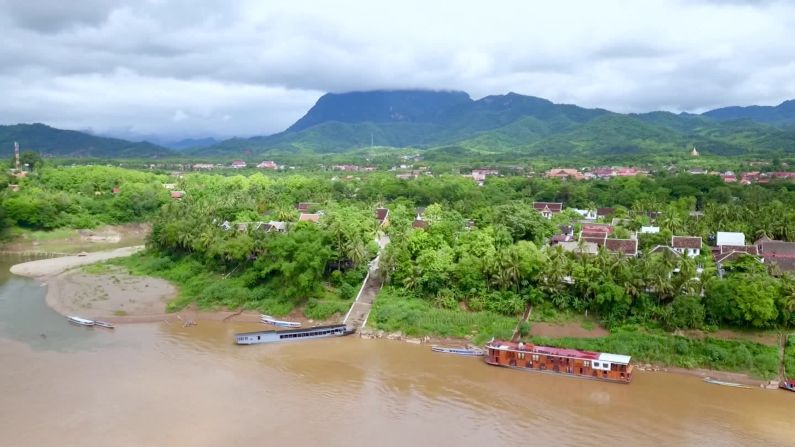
[(165, 385)]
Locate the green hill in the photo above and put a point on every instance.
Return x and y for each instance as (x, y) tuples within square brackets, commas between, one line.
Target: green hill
[(57, 142), (510, 124)]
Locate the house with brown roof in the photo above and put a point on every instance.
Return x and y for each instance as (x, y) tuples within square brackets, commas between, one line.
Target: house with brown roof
[(548, 209), (604, 212), (177, 195), (419, 223), (564, 174), (777, 253), (306, 217), (689, 246), (304, 207), (382, 216), (238, 164), (625, 247), (273, 226), (596, 237), (597, 228)]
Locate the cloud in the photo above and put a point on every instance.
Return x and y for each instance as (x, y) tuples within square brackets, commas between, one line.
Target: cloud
[(174, 68)]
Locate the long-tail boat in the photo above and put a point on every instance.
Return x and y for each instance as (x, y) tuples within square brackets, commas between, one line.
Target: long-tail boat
[(570, 362)]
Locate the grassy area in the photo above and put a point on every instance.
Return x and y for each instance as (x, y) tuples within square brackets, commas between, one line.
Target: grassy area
[(393, 311), (789, 357), (41, 235), (665, 349), (212, 290)]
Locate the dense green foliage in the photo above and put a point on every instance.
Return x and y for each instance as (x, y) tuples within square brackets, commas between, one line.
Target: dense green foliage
[(396, 311), (82, 197), (219, 226)]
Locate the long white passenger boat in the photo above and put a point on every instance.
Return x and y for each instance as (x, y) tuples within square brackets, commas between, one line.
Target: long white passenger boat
[(273, 336), (267, 319), (80, 321)]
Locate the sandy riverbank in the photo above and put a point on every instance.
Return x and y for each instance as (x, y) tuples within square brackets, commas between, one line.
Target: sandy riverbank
[(54, 266), (112, 294)]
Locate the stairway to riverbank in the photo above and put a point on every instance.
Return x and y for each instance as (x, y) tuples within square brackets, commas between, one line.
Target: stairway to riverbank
[(360, 310), (357, 315)]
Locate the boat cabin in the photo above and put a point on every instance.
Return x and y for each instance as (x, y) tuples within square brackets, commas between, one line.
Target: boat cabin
[(250, 338), (586, 364)]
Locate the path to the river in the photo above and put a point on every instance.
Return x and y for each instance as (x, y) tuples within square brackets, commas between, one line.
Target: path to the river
[(356, 317)]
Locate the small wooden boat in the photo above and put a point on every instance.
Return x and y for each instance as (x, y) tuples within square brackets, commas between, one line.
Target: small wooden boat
[(729, 384), (475, 352), (267, 319), (788, 385), (80, 321), (104, 324)]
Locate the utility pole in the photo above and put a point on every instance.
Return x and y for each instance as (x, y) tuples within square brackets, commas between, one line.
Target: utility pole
[(16, 154)]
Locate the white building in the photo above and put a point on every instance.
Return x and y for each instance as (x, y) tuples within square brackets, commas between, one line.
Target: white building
[(729, 238)]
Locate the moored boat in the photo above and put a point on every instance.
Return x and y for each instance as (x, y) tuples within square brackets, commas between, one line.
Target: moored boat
[(267, 319), (104, 324), (475, 352), (274, 336), (80, 321), (721, 382), (788, 385), (570, 362)]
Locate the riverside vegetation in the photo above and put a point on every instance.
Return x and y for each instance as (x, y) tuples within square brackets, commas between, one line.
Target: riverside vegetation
[(481, 260)]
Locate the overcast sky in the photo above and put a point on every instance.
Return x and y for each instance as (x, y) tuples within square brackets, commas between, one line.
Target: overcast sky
[(193, 68)]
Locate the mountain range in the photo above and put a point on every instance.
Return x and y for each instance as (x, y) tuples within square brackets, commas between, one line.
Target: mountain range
[(454, 122)]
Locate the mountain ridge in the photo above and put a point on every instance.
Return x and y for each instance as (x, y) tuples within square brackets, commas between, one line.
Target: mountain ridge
[(51, 141), (512, 122)]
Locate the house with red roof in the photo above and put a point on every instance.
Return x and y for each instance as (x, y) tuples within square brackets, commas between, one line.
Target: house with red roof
[(777, 253), (689, 246), (625, 247), (548, 209)]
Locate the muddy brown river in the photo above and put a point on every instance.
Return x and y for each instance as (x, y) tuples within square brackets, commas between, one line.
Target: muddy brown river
[(165, 385)]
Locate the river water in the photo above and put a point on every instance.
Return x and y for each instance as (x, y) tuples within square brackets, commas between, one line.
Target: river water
[(165, 385)]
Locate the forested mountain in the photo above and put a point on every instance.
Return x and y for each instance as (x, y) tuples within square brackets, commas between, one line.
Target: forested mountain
[(782, 114), (51, 141), (515, 123), (498, 125)]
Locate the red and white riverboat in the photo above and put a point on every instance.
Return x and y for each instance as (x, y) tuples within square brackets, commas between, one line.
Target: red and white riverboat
[(571, 362)]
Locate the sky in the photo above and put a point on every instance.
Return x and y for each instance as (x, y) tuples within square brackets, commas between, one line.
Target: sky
[(172, 69)]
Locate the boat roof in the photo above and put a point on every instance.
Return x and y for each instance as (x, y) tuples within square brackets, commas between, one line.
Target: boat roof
[(83, 320), (564, 352), (291, 331), (614, 358)]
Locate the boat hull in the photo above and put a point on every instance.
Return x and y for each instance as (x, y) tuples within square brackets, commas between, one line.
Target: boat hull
[(267, 319), (459, 351), (560, 374), (787, 385)]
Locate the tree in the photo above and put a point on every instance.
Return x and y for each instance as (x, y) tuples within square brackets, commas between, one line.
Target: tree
[(687, 312)]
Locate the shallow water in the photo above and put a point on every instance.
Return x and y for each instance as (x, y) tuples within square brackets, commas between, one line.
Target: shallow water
[(160, 384)]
